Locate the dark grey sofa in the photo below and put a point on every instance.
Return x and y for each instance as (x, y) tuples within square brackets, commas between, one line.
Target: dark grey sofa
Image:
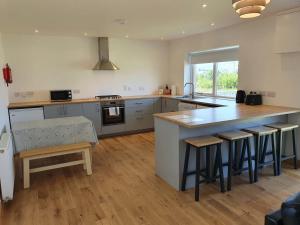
[(289, 214)]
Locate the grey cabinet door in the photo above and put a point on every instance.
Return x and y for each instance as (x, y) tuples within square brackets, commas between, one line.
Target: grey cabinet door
[(157, 105), (92, 111), (139, 122), (169, 105), (53, 111), (73, 110)]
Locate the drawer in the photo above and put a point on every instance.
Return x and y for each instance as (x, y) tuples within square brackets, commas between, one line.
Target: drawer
[(139, 122), (139, 110), (139, 102), (113, 129)]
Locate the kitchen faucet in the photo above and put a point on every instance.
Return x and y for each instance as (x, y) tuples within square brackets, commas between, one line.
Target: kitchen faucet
[(193, 90)]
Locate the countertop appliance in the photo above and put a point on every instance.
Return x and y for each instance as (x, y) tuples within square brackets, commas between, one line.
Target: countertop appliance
[(26, 114), (240, 96), (61, 95), (113, 110), (254, 99)]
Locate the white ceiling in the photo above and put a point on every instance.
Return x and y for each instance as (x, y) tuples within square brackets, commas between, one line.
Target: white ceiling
[(145, 19)]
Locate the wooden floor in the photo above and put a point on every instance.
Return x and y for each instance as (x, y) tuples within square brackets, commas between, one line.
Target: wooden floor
[(124, 190)]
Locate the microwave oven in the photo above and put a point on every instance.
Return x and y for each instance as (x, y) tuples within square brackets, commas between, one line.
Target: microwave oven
[(61, 95)]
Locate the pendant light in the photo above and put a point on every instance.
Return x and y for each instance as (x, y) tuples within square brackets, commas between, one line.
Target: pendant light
[(249, 8)]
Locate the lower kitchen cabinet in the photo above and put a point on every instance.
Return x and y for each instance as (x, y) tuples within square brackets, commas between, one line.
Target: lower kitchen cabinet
[(139, 122), (92, 111), (169, 105), (54, 111), (73, 110), (63, 110), (113, 129)]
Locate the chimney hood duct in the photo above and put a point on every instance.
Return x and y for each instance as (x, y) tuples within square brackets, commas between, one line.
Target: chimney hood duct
[(104, 63)]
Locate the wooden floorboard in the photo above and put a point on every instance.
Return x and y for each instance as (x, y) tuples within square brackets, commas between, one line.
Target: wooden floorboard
[(124, 190)]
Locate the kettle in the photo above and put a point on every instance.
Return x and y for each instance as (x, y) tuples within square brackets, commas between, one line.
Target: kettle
[(240, 96)]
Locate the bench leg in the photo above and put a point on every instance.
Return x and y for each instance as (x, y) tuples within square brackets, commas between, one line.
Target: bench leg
[(88, 161), (83, 158), (26, 173)]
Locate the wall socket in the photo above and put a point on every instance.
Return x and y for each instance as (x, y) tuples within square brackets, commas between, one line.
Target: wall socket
[(76, 91)]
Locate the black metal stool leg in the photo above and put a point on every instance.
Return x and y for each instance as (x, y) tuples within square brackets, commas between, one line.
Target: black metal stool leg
[(257, 149), (249, 160), (197, 177), (186, 166), (242, 159), (294, 149), (265, 147), (229, 175), (279, 151), (235, 164), (220, 162), (274, 153), (208, 175)]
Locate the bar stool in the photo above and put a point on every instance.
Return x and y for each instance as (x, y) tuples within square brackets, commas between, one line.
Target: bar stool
[(262, 135), (233, 138), (202, 143), (281, 127)]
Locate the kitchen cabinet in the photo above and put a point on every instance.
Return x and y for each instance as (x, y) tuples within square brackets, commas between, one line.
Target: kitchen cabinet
[(113, 129), (139, 114), (169, 105), (157, 105), (73, 110), (92, 111), (63, 110), (54, 111)]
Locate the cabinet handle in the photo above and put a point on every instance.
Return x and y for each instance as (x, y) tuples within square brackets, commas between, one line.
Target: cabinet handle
[(139, 103), (139, 111)]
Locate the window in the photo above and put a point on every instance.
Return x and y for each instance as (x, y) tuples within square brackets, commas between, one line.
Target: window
[(216, 79)]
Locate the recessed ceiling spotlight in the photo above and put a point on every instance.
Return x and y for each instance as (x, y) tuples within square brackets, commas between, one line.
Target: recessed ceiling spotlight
[(162, 38), (183, 32), (212, 24), (127, 36), (204, 5), (85, 34), (36, 31)]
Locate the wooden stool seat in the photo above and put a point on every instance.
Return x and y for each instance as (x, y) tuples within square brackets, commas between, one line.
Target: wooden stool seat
[(234, 135), (203, 141), (40, 153), (283, 126), (261, 131)]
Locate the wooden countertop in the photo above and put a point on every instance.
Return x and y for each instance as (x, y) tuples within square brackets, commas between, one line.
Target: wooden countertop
[(210, 116), (18, 105)]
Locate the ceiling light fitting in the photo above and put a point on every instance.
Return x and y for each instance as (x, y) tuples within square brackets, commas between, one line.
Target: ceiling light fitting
[(249, 8)]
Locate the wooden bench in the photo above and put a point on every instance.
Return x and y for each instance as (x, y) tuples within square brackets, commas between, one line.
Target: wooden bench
[(40, 153)]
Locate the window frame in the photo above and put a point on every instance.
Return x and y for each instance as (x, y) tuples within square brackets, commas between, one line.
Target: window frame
[(214, 89)]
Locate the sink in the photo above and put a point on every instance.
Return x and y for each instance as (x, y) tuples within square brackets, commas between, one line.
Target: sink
[(188, 97)]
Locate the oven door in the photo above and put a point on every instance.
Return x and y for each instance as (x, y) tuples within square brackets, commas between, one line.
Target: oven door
[(108, 119)]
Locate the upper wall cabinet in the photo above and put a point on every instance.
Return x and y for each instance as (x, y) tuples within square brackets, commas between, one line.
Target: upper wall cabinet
[(287, 37)]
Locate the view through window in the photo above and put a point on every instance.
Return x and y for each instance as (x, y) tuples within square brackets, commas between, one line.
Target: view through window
[(216, 79)]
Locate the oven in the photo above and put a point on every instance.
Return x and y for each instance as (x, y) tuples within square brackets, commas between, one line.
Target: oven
[(113, 113)]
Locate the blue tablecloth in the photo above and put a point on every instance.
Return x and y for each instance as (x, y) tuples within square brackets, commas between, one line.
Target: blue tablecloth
[(52, 132)]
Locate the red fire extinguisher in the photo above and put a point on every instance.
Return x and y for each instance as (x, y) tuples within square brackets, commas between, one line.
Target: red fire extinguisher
[(7, 74)]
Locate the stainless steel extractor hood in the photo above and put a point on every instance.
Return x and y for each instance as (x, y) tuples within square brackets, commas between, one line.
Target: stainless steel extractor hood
[(104, 63)]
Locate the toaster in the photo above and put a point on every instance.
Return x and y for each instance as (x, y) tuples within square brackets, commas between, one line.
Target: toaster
[(253, 99)]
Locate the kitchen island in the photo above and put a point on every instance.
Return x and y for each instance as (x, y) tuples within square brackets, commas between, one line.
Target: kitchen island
[(171, 129)]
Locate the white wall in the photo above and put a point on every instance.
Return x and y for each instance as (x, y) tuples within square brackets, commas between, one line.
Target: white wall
[(3, 92), (260, 68), (41, 63)]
